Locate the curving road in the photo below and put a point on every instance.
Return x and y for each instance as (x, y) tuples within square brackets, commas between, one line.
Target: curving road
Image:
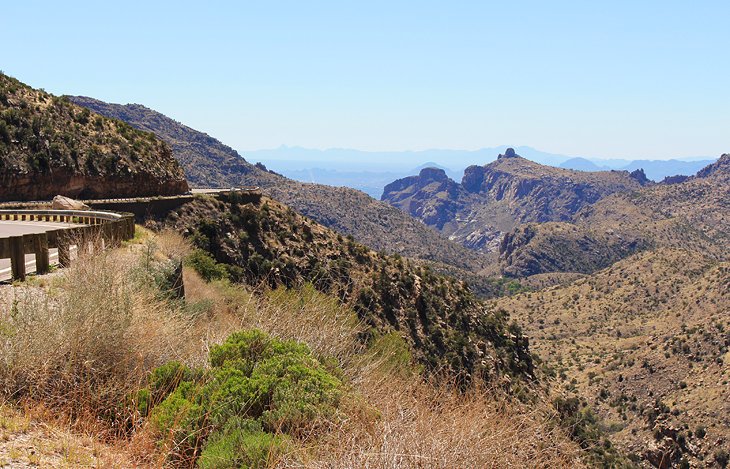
[(17, 228)]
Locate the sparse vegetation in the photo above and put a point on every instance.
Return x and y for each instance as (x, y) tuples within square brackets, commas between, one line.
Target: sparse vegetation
[(393, 416), (54, 140), (267, 244)]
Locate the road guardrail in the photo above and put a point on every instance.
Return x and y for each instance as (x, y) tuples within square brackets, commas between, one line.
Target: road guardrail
[(108, 227)]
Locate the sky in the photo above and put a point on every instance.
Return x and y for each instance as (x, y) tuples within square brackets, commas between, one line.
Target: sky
[(619, 79)]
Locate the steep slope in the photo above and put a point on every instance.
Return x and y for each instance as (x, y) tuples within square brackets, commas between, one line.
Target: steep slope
[(694, 214), (646, 340), (493, 199), (205, 160), (208, 162), (50, 146), (267, 242)]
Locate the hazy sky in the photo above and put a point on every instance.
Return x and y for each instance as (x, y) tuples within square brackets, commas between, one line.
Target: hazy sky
[(637, 79)]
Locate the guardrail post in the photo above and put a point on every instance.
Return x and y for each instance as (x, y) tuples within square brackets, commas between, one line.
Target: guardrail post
[(17, 257), (40, 245)]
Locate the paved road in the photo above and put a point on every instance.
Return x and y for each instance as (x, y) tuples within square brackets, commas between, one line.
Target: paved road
[(17, 228)]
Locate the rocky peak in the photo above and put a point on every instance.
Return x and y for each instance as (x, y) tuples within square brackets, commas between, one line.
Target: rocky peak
[(433, 174), (508, 153), (473, 177), (640, 176), (494, 198)]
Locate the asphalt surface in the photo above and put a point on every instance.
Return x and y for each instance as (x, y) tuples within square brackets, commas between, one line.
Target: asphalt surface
[(17, 228)]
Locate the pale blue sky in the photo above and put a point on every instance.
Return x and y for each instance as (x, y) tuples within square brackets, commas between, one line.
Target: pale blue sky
[(635, 79)]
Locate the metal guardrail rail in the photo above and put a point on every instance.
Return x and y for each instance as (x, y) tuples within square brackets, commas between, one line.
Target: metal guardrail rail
[(155, 198), (109, 227)]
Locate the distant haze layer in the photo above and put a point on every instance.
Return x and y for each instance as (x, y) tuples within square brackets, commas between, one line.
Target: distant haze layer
[(370, 171)]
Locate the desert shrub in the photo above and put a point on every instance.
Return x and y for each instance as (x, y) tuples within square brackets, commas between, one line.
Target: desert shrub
[(206, 266), (257, 388), (243, 443), (583, 426), (722, 457)]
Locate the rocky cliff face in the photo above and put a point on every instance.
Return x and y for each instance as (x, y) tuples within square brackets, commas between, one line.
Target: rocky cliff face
[(431, 196), (50, 146), (494, 198)]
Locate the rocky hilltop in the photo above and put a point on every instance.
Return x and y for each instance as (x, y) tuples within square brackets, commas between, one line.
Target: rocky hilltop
[(692, 214), (49, 146), (495, 198), (209, 163)]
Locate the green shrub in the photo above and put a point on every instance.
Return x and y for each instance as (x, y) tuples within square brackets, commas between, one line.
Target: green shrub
[(393, 354), (243, 443), (206, 266), (257, 388)]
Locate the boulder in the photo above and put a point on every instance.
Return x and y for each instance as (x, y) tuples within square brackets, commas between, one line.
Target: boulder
[(65, 203)]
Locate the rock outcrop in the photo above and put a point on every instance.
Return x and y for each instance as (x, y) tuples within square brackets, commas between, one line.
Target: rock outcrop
[(640, 176), (49, 145), (430, 196)]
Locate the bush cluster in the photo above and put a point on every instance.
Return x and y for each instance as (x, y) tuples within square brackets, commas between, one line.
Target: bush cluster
[(258, 393)]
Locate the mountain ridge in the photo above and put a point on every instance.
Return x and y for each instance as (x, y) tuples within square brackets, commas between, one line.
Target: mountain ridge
[(376, 224), (492, 199), (50, 146)]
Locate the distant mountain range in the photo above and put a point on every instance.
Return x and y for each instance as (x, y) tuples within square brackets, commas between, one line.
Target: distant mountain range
[(371, 171), (654, 169)]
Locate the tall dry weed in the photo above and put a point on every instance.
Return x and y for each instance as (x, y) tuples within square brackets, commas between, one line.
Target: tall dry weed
[(86, 343)]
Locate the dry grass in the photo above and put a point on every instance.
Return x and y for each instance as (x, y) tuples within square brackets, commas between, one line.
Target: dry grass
[(85, 344), (409, 423), (87, 340), (394, 418), (27, 442), (302, 314)]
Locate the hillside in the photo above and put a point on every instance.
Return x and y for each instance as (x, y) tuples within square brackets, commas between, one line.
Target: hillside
[(694, 214), (207, 162), (50, 146), (268, 243), (102, 367), (646, 341), (493, 199)]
